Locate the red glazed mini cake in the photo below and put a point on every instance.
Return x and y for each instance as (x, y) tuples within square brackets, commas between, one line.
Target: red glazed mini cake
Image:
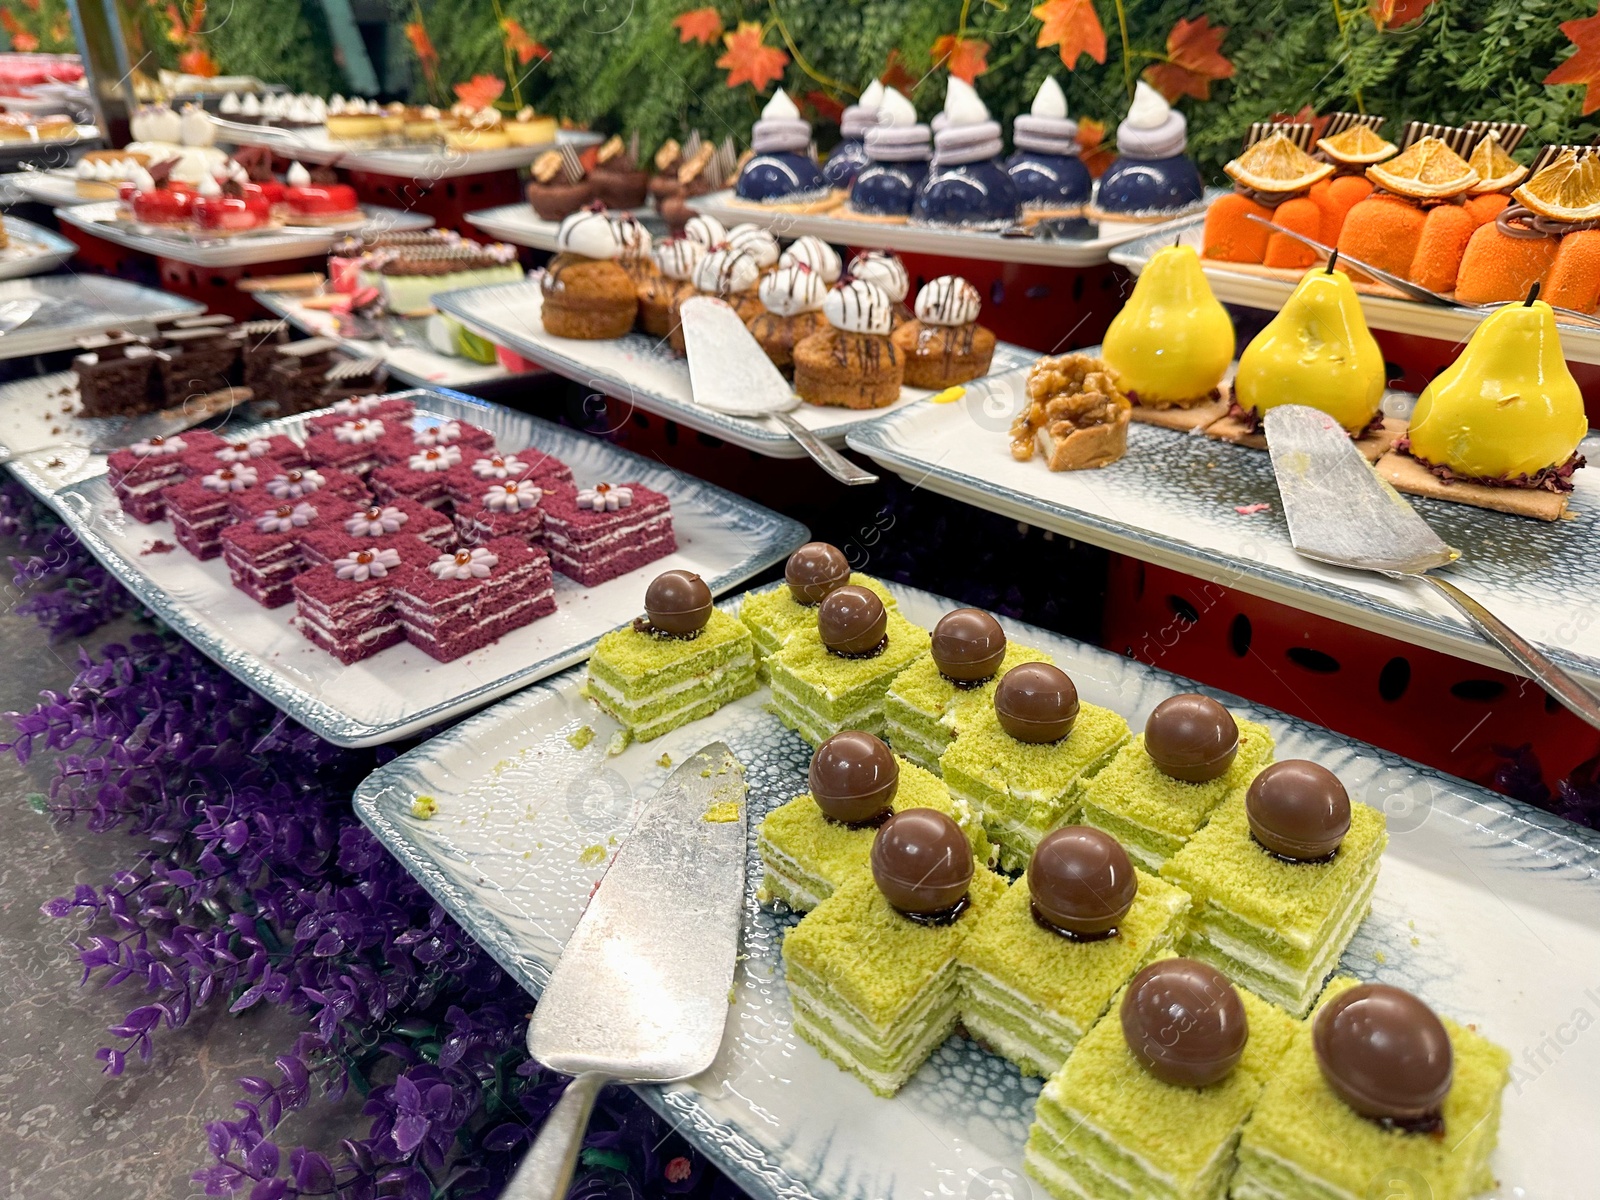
[(229, 207), (423, 476), (504, 508), (301, 483), (401, 443), (392, 410), (357, 525), (350, 445), (140, 473), (600, 532), (262, 552), (464, 600), (318, 203), (199, 508), (344, 606)]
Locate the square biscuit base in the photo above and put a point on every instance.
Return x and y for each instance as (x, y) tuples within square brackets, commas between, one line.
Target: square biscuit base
[(1373, 446), (807, 856), (1185, 420), (1021, 790), (1275, 927), (817, 693), (923, 710), (1406, 474), (774, 616), (1304, 1143), (872, 990), (1153, 814), (652, 685), (1030, 994), (1105, 1127)]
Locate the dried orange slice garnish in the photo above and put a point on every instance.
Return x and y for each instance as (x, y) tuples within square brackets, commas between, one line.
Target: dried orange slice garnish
[(1497, 170), (1426, 170), (1567, 190), (1276, 164), (1357, 145)]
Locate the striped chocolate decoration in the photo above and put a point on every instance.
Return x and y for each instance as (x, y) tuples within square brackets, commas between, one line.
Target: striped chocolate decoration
[(1298, 132), (1457, 137)]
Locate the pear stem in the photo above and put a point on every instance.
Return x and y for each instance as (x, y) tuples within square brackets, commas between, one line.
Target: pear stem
[(1333, 261), (1533, 294)]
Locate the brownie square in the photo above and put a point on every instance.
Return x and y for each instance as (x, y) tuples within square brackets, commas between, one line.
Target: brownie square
[(197, 362), (422, 476), (117, 376), (508, 507), (262, 552), (294, 380), (139, 473), (258, 343), (357, 525), (350, 446), (460, 602), (467, 482), (595, 534), (199, 507), (391, 410), (343, 606), (401, 443)]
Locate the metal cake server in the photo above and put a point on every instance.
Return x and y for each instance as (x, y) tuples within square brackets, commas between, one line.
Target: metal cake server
[(17, 312), (1341, 511), (730, 373), (642, 991)]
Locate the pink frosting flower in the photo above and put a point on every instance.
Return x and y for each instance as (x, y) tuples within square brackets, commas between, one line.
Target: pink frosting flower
[(229, 479), (464, 564), (435, 458), (358, 433), (294, 484), (244, 451), (286, 517), (603, 497), (438, 435), (361, 565), (159, 445), (375, 521), (498, 467), (512, 497)]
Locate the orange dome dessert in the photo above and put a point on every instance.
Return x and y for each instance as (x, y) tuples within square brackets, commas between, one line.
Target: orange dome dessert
[(1272, 178), (1383, 230), (1390, 228), (1574, 277), (1351, 144), (1499, 265)]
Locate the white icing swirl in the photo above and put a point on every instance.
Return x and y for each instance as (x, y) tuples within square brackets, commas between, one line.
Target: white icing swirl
[(726, 271), (435, 459), (678, 257), (859, 307), (633, 237), (755, 241), (705, 229), (1049, 100), (375, 521), (590, 234), (780, 108), (791, 290), (948, 300), (361, 565), (815, 253), (465, 564), (1149, 108), (896, 109), (962, 105), (513, 497), (297, 176), (884, 269)]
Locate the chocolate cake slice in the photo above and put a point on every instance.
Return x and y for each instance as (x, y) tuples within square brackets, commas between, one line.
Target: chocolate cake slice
[(117, 376)]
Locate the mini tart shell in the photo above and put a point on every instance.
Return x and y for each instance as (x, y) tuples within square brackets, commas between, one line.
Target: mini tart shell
[(778, 335), (941, 356), (587, 298), (848, 370)]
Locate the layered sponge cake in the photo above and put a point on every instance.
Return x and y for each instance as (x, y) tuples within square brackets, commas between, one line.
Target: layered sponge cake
[(810, 573), (1281, 877)]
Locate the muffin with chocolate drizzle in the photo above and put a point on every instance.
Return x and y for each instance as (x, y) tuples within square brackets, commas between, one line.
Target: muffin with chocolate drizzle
[(945, 345), (852, 364), (791, 299), (675, 259), (887, 271), (730, 275), (559, 186), (636, 244), (618, 180), (586, 293)]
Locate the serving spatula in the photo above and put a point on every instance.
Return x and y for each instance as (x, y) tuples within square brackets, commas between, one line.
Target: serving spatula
[(642, 991), (731, 374), (17, 312), (1340, 511)]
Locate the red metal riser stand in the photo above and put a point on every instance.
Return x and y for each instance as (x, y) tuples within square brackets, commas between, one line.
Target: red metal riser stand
[(101, 257), (218, 287), (1049, 309), (447, 201), (1421, 358), (1432, 707)]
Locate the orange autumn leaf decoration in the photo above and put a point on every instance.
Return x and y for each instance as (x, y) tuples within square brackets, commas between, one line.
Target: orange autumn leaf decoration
[(522, 45), (1193, 60), (480, 91), (896, 76), (703, 25), (422, 44), (1306, 116), (1584, 66), (1096, 155), (1075, 27), (749, 60), (198, 62), (965, 58), (1392, 14)]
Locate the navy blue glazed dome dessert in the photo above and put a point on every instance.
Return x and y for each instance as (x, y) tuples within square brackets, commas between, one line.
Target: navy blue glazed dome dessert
[(1051, 179), (1151, 177), (898, 149), (782, 170), (850, 155), (967, 185)]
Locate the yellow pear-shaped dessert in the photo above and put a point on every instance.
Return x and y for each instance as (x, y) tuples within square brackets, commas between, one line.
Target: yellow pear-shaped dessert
[(1317, 351), (1507, 406), (1172, 342)]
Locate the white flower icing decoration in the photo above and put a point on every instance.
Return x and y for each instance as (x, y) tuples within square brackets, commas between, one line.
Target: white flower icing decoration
[(435, 458), (357, 406), (498, 467), (286, 517), (230, 479), (512, 497), (465, 564), (361, 565), (375, 521), (244, 451), (159, 445), (438, 435), (295, 484), (358, 433), (603, 497)]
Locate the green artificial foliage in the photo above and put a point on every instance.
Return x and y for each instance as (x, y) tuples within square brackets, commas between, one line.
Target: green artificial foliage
[(282, 41)]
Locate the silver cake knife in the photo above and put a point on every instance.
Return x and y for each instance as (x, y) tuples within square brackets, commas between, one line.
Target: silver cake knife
[(1341, 511), (642, 991)]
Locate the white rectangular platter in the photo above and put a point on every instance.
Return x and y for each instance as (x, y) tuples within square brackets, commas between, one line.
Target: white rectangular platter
[(400, 691), (33, 250), (422, 163), (1174, 500), (521, 226), (1487, 909), (643, 372), (80, 306)]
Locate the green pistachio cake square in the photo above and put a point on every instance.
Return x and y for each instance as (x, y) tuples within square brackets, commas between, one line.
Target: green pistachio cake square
[(1304, 1143), (807, 855), (873, 990), (1273, 926), (1105, 1127), (923, 709), (1030, 993), (654, 684), (1153, 814), (1022, 790), (774, 616), (818, 693)]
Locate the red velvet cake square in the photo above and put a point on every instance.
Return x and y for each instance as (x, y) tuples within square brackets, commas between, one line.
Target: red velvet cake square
[(262, 552), (597, 533), (244, 450), (401, 442), (356, 525), (421, 477), (391, 410), (467, 481), (344, 606), (349, 446), (139, 473), (337, 488), (199, 507), (462, 601), (504, 507)]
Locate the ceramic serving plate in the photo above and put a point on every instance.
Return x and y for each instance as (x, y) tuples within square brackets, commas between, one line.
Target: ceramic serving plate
[(521, 226), (80, 306), (643, 372), (1082, 242), (1175, 499), (421, 163), (400, 691), (1486, 908), (33, 250), (1267, 288)]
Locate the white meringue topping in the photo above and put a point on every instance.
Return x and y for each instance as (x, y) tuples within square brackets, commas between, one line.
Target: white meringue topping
[(780, 108), (1149, 108), (815, 253), (884, 269), (590, 234), (962, 105), (859, 307), (1049, 100), (791, 290), (948, 300)]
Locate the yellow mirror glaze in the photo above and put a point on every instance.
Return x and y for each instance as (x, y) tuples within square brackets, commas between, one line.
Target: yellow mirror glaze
[(1508, 405), (1317, 351), (1173, 340)]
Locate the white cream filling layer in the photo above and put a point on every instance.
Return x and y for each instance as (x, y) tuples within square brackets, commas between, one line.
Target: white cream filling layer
[(1267, 964), (556, 533), (806, 888), (616, 701), (673, 716), (1247, 1186), (856, 718)]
